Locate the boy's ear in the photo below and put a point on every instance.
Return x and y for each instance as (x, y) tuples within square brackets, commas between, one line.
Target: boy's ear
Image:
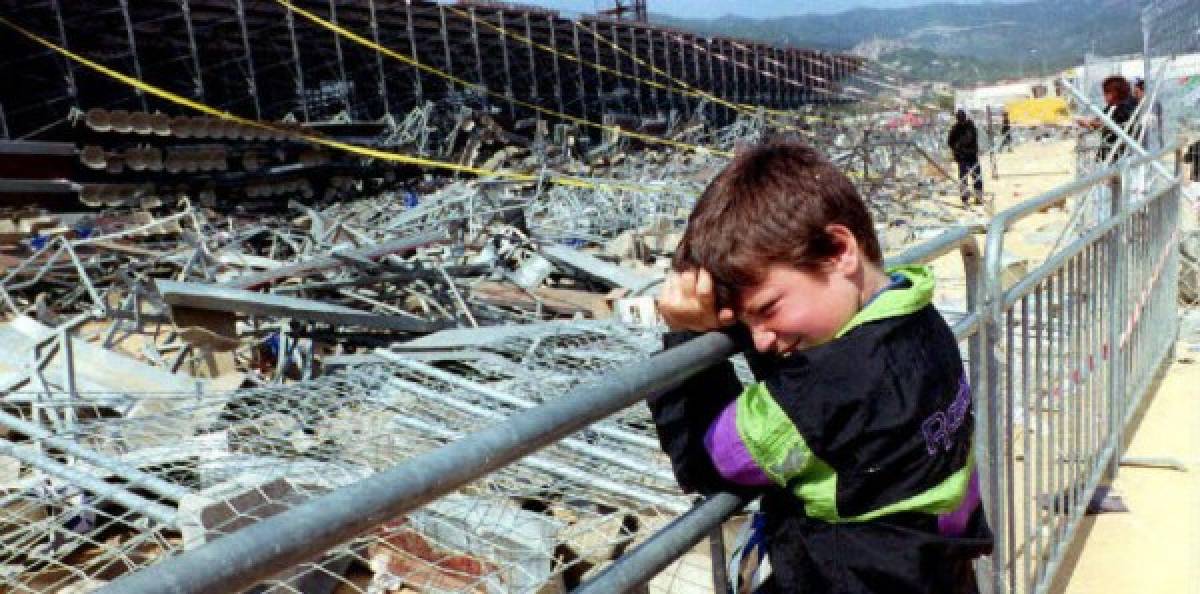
[(848, 259)]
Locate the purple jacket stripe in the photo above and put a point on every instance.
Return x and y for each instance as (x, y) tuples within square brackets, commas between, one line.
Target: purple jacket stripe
[(729, 453), (955, 523)]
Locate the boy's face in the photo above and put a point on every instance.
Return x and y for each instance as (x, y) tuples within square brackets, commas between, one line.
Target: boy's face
[(794, 308)]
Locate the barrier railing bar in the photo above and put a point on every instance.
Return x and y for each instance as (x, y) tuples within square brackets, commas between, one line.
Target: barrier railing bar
[(997, 302), (1039, 274), (667, 545)]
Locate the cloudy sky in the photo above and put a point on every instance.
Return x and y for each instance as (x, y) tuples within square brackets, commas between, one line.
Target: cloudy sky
[(749, 8)]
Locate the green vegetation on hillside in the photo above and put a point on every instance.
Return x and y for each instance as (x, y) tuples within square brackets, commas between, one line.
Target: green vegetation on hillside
[(956, 42)]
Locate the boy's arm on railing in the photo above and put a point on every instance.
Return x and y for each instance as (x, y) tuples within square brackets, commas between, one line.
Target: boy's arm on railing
[(683, 416)]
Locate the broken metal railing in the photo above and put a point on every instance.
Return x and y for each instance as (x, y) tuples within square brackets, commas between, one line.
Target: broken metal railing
[(265, 548)]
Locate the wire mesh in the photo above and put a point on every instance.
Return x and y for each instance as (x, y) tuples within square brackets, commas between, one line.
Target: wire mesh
[(539, 526)]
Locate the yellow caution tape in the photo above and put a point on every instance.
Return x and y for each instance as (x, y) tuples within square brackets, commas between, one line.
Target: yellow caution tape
[(318, 140), (693, 91), (342, 31), (682, 87), (739, 107)]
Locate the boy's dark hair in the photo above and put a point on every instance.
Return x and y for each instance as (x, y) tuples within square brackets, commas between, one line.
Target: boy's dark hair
[(1117, 85), (771, 205)]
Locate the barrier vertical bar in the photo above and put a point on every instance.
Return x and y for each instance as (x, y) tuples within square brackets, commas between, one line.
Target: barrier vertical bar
[(478, 57), (418, 85), (197, 79), (638, 90), (337, 46), (137, 62), (658, 108), (290, 19), (583, 95), (504, 57), (558, 84), (716, 549), (1117, 315), (446, 48)]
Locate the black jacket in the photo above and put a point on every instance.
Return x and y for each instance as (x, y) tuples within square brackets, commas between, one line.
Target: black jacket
[(862, 403), (964, 141), (1121, 113)]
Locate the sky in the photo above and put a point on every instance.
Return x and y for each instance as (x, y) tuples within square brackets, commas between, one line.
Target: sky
[(748, 8)]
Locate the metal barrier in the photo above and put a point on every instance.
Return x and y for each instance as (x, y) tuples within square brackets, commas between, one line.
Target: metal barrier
[(1060, 361), (1078, 342)]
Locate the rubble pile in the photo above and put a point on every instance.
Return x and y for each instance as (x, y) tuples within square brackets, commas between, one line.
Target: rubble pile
[(268, 321)]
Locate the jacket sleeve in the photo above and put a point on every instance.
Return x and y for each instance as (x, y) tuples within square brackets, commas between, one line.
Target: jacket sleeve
[(684, 416), (722, 436)]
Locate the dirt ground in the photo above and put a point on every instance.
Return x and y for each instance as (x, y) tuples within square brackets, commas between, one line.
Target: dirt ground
[(1156, 546)]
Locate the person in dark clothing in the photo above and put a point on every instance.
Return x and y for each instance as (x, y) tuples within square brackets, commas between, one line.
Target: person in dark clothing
[(1005, 134), (1120, 105), (1192, 155), (964, 143), (1152, 118), (858, 431)]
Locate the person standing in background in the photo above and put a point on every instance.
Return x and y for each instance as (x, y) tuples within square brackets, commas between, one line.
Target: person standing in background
[(1005, 133), (964, 143)]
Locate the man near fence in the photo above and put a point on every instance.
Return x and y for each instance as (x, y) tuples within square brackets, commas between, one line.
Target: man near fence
[(1005, 134), (1192, 155), (858, 431), (964, 143), (1120, 105), (1152, 138)]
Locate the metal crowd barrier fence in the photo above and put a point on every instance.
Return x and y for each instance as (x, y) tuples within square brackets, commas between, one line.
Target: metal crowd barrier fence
[(1060, 360), (1078, 342)]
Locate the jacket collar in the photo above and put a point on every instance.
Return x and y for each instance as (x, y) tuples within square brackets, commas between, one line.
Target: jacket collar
[(896, 302)]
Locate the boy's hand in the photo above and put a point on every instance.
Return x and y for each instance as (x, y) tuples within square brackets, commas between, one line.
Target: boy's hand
[(687, 302)]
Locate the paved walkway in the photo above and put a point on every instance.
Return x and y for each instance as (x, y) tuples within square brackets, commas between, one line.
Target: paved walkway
[(1155, 548)]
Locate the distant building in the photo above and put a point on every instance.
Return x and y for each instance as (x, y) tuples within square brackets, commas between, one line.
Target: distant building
[(978, 99), (1095, 69), (942, 88)]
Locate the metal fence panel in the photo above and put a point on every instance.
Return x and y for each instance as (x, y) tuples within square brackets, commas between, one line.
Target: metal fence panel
[(1077, 343)]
